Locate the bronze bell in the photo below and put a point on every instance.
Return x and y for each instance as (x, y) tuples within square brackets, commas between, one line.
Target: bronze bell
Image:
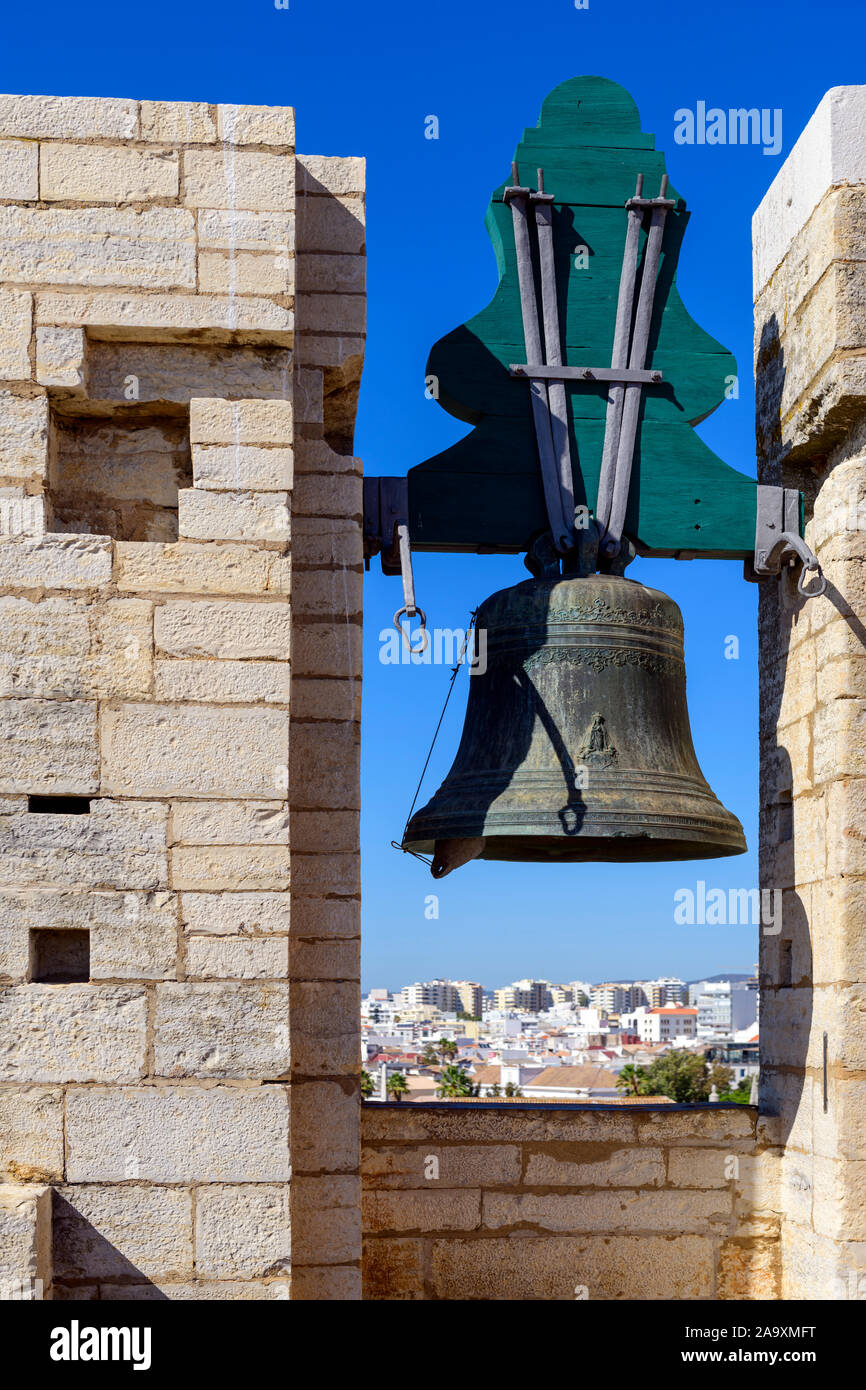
[(577, 743)]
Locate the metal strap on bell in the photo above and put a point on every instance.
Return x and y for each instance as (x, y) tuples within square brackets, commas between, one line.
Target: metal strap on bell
[(576, 744)]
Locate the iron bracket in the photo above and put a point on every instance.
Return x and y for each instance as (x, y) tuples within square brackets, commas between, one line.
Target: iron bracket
[(649, 377), (778, 542), (386, 507)]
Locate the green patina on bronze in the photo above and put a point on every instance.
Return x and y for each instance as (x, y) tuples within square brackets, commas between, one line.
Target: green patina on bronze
[(485, 491)]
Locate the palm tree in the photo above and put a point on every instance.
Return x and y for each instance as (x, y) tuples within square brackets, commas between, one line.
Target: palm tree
[(493, 1090), (631, 1078), (453, 1082), (447, 1048), (397, 1086), (429, 1057), (368, 1085)]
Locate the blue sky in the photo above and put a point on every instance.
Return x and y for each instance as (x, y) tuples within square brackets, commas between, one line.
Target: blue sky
[(363, 77)]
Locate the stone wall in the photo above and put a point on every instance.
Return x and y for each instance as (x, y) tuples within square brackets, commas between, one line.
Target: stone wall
[(810, 363), (179, 570), (557, 1203)]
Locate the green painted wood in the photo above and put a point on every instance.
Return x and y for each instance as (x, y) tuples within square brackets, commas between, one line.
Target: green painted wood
[(485, 491)]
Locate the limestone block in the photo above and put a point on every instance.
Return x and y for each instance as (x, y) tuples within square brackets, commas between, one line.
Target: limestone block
[(325, 1033), (60, 357), (324, 649), (335, 174), (326, 274), (326, 918), (242, 1231), (66, 647), (172, 1134), (177, 122), (230, 631), (256, 125), (327, 960), (325, 766), (839, 948), (332, 313), (206, 1290), (321, 874), (245, 273), (23, 434), (699, 1168), (427, 1212), (331, 224), (316, 1147), (21, 513), (230, 823), (608, 1211), (16, 317), (839, 1199), (230, 467), (19, 170), (236, 231), (326, 699), (170, 317), (326, 1219), (335, 593), (116, 845), (72, 1033), (194, 568), (31, 1126), (323, 496), (620, 1168), (237, 958), (105, 174), (48, 746), (393, 1269), (212, 867), (335, 351), (224, 1030), (117, 1232), (178, 372), (239, 179), (839, 745), (153, 249), (218, 421), (313, 831), (133, 935), (239, 516), (25, 1241), (55, 562), (448, 1125), (223, 682), (331, 1283), (463, 1165), (236, 914), (68, 118), (170, 750), (309, 390)]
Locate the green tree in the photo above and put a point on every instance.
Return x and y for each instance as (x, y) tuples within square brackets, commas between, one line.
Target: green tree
[(740, 1094), (368, 1084), (631, 1079), (512, 1089), (494, 1090), (429, 1057), (453, 1082), (397, 1086), (447, 1049), (683, 1076)]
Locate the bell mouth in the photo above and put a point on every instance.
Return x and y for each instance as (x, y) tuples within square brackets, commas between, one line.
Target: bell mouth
[(589, 849)]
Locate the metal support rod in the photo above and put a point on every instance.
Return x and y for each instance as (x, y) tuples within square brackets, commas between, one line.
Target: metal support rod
[(619, 358), (553, 355), (561, 526), (637, 359)]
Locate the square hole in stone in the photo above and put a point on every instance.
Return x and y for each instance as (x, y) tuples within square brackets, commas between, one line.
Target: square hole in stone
[(118, 474), (59, 957)]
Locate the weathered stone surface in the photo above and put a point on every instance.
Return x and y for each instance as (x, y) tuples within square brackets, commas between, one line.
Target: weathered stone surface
[(393, 1269), (173, 750), (230, 823), (16, 318), (242, 1231), (332, 1147), (230, 467), (25, 1241), (91, 246), (239, 179), (231, 631), (177, 122), (133, 935), (331, 1283), (331, 174), (68, 648), (326, 1219), (327, 960), (619, 1168), (122, 1232), (31, 1134), (55, 562), (23, 424), (236, 914), (207, 569), (325, 1030), (422, 1211), (209, 867), (178, 1134), (457, 1166), (331, 274), (105, 174), (60, 358), (181, 372), (72, 1033), (117, 845), (205, 1290), (243, 272), (239, 230), (169, 317), (48, 746), (217, 421), (22, 513), (331, 224), (237, 958), (223, 682), (256, 125), (19, 170), (68, 118), (237, 516), (225, 1030)]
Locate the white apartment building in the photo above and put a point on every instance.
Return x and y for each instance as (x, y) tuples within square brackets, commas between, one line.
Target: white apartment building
[(666, 1025)]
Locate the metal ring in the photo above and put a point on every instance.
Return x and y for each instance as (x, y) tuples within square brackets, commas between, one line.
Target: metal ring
[(412, 613), (810, 568)]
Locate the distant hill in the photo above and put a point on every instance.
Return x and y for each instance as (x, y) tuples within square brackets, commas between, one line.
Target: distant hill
[(717, 979)]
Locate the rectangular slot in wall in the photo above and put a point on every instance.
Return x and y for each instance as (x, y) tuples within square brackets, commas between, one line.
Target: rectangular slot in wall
[(59, 805), (59, 957)]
